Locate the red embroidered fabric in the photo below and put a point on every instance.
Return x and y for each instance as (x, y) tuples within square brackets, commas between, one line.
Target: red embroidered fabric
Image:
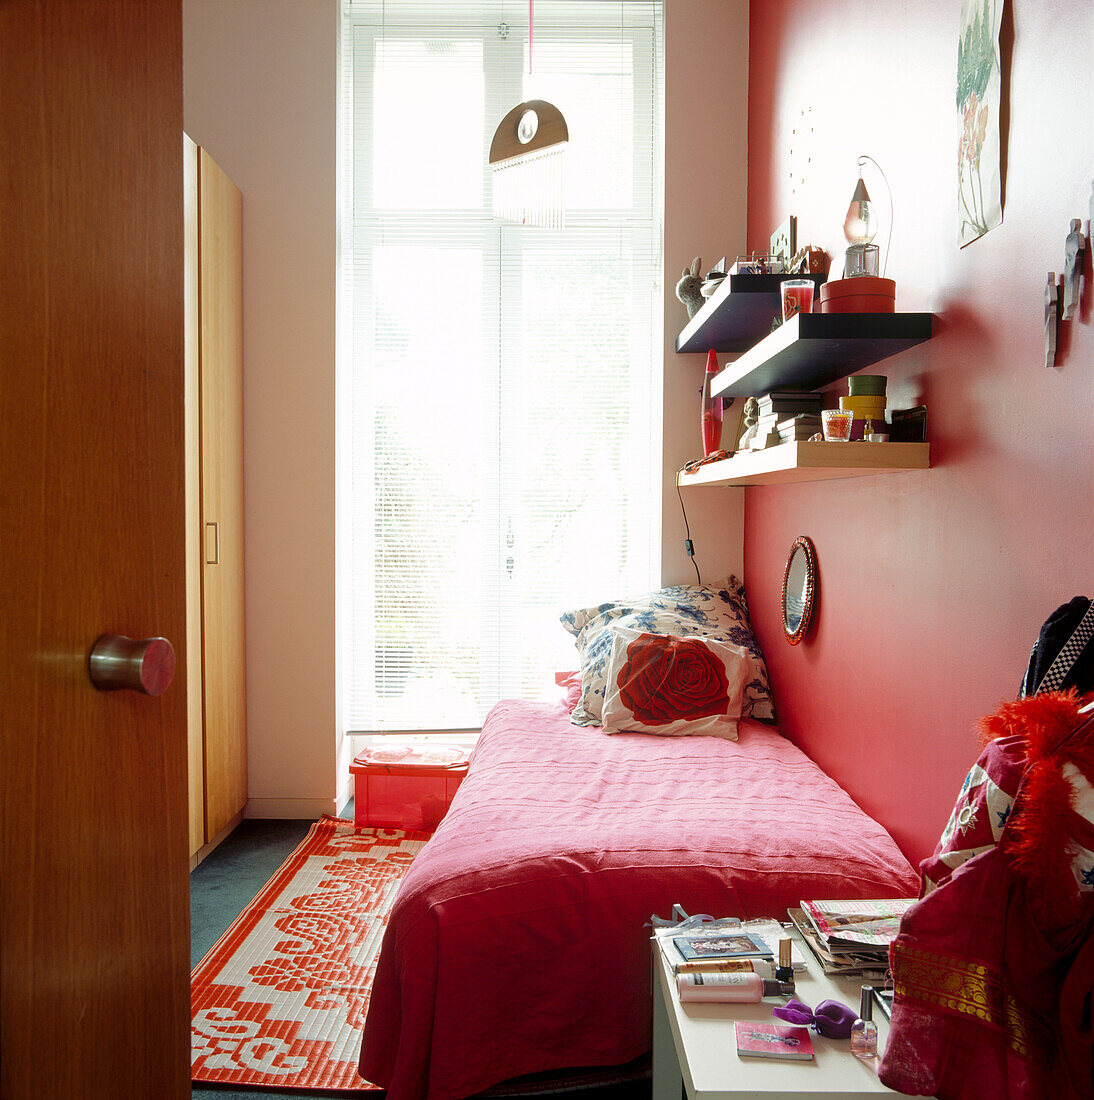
[(994, 966)]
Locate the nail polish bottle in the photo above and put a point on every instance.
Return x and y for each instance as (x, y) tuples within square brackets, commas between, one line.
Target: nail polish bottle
[(864, 1030), (784, 972)]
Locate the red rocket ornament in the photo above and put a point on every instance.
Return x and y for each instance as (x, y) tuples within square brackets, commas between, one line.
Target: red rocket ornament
[(710, 422)]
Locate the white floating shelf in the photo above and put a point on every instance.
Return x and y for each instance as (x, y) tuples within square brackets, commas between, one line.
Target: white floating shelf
[(793, 462)]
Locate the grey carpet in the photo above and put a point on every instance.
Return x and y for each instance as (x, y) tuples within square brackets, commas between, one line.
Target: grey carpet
[(223, 884)]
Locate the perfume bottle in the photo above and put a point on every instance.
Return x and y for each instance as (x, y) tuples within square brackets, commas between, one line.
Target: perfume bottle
[(864, 1030)]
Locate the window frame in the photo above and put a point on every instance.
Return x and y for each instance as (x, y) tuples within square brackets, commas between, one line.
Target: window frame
[(640, 219)]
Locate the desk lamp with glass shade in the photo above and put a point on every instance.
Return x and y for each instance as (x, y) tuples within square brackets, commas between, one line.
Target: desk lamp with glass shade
[(861, 290), (860, 228)]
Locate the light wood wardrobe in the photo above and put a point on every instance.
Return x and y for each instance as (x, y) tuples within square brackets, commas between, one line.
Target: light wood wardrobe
[(214, 502)]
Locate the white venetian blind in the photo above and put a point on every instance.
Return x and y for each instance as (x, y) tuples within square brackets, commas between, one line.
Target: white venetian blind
[(500, 395)]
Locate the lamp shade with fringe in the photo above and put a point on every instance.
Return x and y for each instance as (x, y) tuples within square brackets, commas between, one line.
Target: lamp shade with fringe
[(526, 157)]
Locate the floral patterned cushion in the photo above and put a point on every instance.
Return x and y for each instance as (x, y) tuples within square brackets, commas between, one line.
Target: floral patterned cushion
[(717, 610), (658, 683)]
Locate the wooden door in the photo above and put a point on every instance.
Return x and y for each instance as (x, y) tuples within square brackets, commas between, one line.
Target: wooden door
[(221, 381), (94, 951)]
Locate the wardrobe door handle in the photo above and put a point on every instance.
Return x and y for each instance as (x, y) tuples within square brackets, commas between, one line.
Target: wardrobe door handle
[(118, 663), (212, 557)]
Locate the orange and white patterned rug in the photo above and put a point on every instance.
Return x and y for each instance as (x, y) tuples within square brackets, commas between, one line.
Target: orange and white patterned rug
[(279, 1001)]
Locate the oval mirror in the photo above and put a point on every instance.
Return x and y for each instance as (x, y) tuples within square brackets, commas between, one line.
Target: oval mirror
[(799, 588)]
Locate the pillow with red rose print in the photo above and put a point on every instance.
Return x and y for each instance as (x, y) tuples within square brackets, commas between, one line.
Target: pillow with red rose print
[(717, 610), (674, 686)]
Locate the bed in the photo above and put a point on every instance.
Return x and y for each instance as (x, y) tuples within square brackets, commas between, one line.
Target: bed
[(517, 943)]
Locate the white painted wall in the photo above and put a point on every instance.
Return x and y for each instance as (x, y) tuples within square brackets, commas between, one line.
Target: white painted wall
[(706, 175), (261, 92)]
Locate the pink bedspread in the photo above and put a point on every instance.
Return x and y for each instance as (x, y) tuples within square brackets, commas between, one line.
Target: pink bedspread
[(517, 945)]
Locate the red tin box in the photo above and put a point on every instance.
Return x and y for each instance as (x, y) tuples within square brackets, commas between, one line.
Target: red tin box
[(866, 294), (401, 787)]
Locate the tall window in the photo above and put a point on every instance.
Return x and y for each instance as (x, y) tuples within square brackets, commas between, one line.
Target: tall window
[(500, 396)]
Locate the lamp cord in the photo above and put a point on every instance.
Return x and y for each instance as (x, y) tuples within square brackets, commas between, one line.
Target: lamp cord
[(687, 530), (863, 158)]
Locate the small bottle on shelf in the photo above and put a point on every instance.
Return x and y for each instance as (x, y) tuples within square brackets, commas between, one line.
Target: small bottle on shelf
[(864, 1030)]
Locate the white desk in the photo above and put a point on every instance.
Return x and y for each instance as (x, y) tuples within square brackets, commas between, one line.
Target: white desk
[(695, 1043)]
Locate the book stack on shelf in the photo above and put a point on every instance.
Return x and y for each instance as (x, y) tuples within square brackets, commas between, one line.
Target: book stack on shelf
[(797, 428), (785, 416), (851, 939)]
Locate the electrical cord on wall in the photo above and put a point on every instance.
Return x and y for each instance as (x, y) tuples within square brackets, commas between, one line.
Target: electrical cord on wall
[(691, 467), (687, 530)]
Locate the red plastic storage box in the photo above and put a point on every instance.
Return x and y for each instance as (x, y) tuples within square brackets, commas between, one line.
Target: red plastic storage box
[(403, 787)]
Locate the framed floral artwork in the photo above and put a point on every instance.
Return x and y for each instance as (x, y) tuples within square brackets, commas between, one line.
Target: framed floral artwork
[(979, 96)]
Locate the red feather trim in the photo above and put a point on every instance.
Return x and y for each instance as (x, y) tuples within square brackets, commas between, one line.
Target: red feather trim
[(1040, 834), (1036, 718)]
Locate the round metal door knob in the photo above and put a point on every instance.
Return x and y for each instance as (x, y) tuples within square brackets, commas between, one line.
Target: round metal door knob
[(119, 663)]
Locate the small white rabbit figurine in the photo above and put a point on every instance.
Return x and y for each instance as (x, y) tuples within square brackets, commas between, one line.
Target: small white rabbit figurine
[(751, 416), (687, 289)]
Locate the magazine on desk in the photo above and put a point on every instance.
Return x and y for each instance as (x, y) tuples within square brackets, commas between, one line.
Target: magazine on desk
[(863, 927), (869, 924), (868, 966)]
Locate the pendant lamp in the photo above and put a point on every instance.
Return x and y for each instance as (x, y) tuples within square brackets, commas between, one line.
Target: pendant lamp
[(526, 157)]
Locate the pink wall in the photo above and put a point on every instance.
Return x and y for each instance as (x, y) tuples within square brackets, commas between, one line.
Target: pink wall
[(932, 584)]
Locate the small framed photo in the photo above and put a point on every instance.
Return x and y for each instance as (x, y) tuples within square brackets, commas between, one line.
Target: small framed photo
[(784, 242)]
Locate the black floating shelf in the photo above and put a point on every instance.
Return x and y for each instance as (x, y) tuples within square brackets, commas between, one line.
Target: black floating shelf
[(737, 314), (813, 349)]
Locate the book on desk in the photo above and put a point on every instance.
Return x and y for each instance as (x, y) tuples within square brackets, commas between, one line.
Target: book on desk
[(773, 1041), (721, 945)]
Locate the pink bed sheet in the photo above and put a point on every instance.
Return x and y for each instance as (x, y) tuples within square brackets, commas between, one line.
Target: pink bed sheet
[(517, 942)]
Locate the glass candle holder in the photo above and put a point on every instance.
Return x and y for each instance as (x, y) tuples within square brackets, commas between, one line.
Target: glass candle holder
[(797, 296), (836, 425)]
